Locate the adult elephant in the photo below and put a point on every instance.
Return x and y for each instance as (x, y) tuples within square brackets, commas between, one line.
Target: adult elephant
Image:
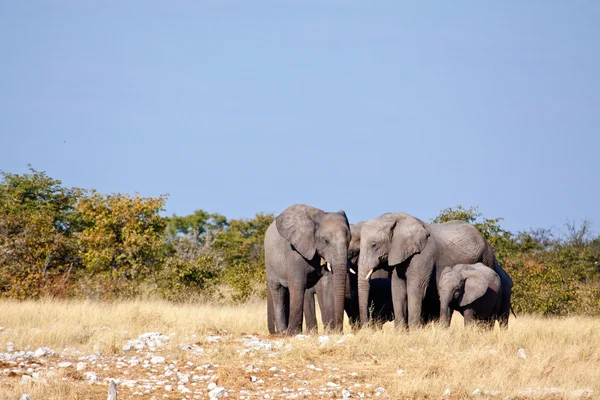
[(298, 245), (418, 252)]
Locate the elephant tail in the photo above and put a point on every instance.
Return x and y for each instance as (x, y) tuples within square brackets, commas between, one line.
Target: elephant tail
[(513, 311)]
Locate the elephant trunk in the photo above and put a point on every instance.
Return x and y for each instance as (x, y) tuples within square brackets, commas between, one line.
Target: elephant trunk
[(364, 272), (445, 310), (339, 268)]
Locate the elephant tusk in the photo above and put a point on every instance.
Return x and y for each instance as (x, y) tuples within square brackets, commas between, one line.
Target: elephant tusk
[(323, 262), (328, 267), (369, 274), (352, 271)]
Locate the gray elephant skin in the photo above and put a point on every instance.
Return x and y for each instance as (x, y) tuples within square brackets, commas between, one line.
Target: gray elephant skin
[(475, 291), (380, 292), (417, 252), (299, 245), (380, 307)]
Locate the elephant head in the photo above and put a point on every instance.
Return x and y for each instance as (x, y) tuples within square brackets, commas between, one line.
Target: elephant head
[(393, 237), (354, 246), (464, 284), (317, 234)]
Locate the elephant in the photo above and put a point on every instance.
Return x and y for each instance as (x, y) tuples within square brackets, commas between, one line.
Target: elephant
[(301, 243), (473, 290), (417, 252)]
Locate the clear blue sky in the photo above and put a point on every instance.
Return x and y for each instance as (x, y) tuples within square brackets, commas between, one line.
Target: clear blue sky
[(370, 107)]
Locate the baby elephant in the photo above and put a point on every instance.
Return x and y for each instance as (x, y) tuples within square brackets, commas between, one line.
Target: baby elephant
[(475, 291)]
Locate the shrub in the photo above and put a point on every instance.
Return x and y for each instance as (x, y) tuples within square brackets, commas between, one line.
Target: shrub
[(38, 252), (541, 288)]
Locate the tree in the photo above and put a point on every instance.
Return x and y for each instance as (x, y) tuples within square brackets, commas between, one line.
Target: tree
[(241, 246), (122, 236), (196, 225), (38, 250)]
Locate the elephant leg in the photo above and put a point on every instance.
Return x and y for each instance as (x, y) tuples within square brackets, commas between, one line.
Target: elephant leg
[(399, 297), (270, 316), (504, 311), (310, 316), (279, 299), (352, 313), (469, 316), (431, 304), (351, 303), (418, 278), (415, 305), (296, 290)]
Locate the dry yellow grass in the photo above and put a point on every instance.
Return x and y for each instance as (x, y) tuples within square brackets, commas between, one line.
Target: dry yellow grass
[(561, 353)]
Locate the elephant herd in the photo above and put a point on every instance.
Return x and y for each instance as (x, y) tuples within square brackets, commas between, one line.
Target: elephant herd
[(391, 268)]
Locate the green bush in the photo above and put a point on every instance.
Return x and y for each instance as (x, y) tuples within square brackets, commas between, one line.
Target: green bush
[(181, 280), (538, 288)]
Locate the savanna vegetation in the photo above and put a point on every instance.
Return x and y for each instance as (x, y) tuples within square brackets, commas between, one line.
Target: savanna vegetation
[(63, 242)]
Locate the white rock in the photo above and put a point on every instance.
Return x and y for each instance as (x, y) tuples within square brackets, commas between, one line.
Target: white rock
[(521, 353), (273, 369), (81, 366), (25, 396), (476, 392), (323, 340), (26, 379), (302, 337), (346, 394), (380, 390), (90, 376), (211, 386), (400, 372), (340, 340), (43, 351), (157, 360), (217, 393), (65, 364), (447, 392), (183, 389), (169, 388), (332, 384), (213, 339)]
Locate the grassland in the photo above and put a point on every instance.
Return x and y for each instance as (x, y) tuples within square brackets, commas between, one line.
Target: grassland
[(229, 346)]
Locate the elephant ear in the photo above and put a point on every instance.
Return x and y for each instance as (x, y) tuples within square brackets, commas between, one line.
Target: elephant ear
[(476, 284), (492, 277), (297, 225), (409, 237)]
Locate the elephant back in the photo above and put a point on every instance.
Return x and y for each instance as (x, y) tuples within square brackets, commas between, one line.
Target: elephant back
[(458, 242)]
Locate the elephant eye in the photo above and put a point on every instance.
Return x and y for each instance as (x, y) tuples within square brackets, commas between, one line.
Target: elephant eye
[(373, 245), (326, 241)]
